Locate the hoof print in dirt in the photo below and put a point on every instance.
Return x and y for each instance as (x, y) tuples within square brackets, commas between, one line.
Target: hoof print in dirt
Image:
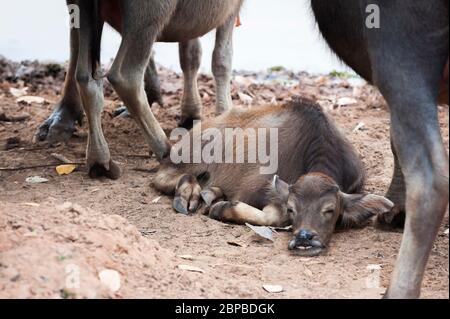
[(97, 171)]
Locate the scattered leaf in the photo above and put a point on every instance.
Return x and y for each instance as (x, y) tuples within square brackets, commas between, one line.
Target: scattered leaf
[(264, 232), (61, 158), (245, 98), (236, 244), (187, 257), (359, 127), (111, 279), (65, 169), (282, 229), (307, 271), (32, 204), (191, 268), (28, 99), (36, 180), (374, 267), (18, 92), (273, 289), (31, 234), (446, 232), (346, 101), (156, 200)]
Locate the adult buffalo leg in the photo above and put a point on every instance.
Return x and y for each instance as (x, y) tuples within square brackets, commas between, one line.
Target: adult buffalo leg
[(152, 84), (394, 219), (60, 126), (91, 91), (190, 59), (128, 70), (152, 88), (409, 76), (68, 112), (222, 65)]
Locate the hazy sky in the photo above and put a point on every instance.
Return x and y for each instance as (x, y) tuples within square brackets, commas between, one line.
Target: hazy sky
[(278, 32)]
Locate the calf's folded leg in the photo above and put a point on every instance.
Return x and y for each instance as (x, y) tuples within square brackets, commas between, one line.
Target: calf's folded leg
[(241, 213)]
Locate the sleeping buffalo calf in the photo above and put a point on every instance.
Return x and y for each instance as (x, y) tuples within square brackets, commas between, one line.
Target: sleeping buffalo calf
[(318, 186), (407, 58)]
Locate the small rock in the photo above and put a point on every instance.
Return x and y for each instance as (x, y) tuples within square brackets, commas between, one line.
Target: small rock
[(274, 289), (111, 279)]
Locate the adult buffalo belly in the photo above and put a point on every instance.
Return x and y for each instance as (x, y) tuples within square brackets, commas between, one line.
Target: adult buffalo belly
[(195, 18), (110, 12)]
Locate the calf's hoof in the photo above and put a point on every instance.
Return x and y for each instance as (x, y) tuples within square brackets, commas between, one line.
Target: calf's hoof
[(211, 195), (59, 127), (187, 195), (99, 170), (180, 205), (218, 210)]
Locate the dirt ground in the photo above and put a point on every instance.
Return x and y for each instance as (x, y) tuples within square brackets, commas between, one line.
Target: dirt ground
[(40, 235)]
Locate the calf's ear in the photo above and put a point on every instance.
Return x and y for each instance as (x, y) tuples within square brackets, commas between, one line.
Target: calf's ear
[(280, 187), (359, 208)]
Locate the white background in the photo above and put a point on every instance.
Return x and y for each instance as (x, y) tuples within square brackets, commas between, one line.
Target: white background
[(274, 32)]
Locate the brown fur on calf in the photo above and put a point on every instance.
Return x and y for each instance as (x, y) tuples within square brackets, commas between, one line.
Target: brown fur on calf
[(308, 142)]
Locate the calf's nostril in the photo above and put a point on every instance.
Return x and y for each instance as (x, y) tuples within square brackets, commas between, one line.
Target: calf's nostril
[(305, 235)]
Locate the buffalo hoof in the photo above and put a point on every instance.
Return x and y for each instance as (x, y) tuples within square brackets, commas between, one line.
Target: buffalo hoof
[(188, 122), (98, 170), (180, 205), (60, 126), (122, 112), (393, 221)]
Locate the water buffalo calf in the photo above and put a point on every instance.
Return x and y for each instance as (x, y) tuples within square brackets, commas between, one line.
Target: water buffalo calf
[(318, 185)]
